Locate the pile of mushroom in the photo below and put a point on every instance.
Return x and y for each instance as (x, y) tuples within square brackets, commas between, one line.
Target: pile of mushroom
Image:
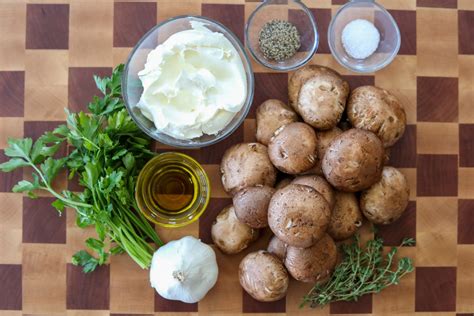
[(321, 161)]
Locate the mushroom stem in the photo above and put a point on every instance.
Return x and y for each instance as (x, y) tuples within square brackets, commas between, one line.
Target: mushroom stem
[(178, 275)]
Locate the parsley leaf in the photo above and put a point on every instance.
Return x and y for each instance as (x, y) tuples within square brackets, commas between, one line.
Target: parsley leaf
[(19, 148), (25, 185), (84, 259), (13, 164)]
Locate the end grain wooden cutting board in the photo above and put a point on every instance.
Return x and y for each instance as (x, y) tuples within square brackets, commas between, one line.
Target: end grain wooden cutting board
[(51, 48)]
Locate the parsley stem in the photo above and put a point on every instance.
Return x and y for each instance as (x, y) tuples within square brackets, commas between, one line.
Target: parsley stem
[(144, 225), (90, 142), (52, 191), (67, 201)]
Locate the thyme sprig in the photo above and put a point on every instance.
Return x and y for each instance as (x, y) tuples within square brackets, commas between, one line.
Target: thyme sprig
[(362, 271)]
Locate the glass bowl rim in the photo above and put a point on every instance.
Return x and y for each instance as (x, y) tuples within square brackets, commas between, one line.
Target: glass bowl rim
[(248, 72), (198, 214), (313, 50), (391, 19)]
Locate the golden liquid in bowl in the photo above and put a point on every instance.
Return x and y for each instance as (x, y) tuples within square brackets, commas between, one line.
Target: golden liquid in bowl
[(172, 190)]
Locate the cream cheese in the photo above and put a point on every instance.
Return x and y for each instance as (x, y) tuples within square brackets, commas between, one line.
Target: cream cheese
[(194, 83)]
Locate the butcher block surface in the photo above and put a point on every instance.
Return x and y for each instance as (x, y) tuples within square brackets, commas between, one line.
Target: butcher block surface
[(48, 53)]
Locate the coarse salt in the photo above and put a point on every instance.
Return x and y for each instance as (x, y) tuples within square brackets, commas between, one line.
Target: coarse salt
[(360, 38)]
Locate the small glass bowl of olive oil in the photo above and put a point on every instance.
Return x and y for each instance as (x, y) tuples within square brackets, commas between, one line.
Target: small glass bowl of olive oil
[(172, 190)]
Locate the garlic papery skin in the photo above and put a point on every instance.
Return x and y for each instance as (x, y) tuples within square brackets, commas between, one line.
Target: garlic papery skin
[(184, 270)]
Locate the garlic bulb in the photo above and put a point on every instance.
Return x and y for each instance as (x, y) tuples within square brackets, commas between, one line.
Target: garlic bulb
[(184, 270)]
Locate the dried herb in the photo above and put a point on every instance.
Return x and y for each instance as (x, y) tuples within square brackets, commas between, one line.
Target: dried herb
[(279, 40), (108, 151), (362, 271)]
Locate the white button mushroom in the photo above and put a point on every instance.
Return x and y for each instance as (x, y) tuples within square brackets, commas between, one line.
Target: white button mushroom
[(184, 270)]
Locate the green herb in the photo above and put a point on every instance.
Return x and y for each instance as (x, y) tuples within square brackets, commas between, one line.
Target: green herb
[(362, 271), (107, 152), (279, 40)]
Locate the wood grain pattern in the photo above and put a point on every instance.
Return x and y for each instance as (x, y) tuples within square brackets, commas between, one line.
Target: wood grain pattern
[(47, 26), (50, 50), (12, 85)]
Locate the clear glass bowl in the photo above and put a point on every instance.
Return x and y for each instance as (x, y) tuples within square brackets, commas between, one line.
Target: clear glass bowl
[(383, 21), (293, 11), (159, 166), (132, 87)]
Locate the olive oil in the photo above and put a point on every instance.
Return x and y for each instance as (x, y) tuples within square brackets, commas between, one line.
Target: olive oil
[(172, 190)]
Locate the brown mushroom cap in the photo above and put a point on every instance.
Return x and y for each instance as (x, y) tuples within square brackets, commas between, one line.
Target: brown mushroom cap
[(312, 264), (324, 139), (263, 276), (293, 148), (353, 161), (246, 164), (346, 217), (322, 94), (251, 205), (298, 215), (319, 184), (296, 81), (377, 110), (229, 234), (322, 98), (271, 115), (277, 247), (385, 201)]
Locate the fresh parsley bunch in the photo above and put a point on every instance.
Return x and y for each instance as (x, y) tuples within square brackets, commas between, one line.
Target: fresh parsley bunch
[(107, 151), (363, 270)]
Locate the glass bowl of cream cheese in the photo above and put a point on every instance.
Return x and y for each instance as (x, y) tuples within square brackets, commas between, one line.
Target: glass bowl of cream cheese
[(188, 82)]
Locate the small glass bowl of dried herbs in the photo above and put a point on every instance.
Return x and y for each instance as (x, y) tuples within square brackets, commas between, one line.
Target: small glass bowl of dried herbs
[(279, 40), (281, 35)]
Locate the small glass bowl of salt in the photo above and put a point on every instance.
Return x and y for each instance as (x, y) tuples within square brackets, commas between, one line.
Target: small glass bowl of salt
[(363, 36)]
